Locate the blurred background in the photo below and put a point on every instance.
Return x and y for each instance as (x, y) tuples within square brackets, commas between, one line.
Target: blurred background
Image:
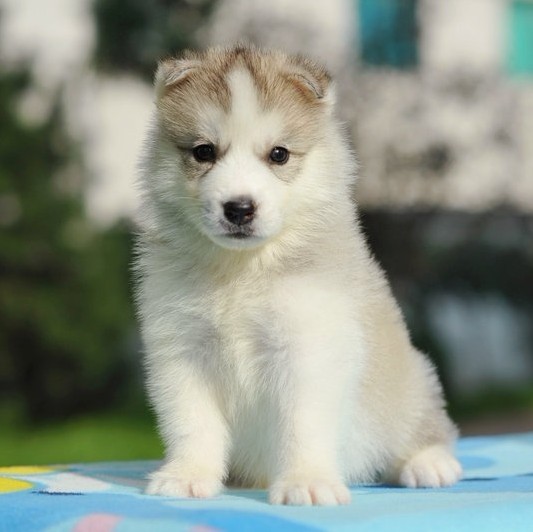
[(438, 97)]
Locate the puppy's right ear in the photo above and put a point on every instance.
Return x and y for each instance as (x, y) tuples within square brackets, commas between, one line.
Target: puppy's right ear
[(172, 72)]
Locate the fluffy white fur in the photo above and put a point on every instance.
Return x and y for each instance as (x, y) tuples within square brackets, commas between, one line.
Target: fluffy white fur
[(280, 360)]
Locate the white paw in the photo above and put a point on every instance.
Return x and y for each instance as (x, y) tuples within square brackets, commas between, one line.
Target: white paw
[(170, 483), (434, 467), (307, 493)]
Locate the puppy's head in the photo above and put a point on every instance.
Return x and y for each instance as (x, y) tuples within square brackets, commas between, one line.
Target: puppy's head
[(237, 131)]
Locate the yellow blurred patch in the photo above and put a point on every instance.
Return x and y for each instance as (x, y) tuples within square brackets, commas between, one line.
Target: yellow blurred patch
[(8, 485), (26, 470)]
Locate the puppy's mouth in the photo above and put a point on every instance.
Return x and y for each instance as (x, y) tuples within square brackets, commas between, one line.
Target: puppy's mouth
[(239, 235), (237, 232)]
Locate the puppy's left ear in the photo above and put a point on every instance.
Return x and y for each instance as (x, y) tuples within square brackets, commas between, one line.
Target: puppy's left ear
[(172, 72), (312, 80)]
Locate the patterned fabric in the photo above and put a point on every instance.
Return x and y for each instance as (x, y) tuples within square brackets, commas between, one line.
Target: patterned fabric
[(496, 494)]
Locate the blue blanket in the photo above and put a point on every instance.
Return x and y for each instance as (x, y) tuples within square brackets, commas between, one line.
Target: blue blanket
[(496, 494)]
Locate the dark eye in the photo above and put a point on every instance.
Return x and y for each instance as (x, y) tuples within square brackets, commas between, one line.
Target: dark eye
[(204, 153), (279, 155)]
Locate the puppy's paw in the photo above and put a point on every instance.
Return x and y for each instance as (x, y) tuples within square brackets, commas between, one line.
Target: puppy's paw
[(434, 467), (309, 492), (169, 482)]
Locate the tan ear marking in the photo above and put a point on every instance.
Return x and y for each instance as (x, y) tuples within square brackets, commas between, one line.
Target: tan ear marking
[(308, 83), (172, 72), (310, 78)]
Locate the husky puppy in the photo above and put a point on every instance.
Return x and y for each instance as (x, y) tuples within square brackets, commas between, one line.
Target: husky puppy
[(276, 355)]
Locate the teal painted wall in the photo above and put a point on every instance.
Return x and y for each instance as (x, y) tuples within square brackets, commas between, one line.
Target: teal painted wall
[(388, 32), (521, 37)]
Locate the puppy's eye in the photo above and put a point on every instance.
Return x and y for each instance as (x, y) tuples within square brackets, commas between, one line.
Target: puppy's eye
[(204, 153), (279, 155)]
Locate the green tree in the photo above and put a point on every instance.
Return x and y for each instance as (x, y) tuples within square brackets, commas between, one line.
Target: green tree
[(132, 35), (65, 311)]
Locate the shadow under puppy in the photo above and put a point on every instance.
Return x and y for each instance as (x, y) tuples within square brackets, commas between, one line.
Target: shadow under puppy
[(276, 355)]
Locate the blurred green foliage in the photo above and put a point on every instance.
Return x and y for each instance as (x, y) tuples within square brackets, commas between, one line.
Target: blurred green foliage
[(65, 309), (132, 35), (102, 437)]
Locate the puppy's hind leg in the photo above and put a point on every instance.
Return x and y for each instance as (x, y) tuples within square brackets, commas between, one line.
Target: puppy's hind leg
[(431, 467)]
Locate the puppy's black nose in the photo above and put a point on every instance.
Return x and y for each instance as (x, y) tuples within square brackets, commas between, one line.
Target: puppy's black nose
[(239, 211)]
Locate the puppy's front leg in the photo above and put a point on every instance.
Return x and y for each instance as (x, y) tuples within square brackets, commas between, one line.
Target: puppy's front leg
[(315, 374), (192, 428)]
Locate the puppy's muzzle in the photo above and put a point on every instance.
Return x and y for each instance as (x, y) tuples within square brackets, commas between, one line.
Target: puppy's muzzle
[(240, 211)]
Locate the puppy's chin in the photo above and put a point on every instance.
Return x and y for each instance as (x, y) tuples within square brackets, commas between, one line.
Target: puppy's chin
[(237, 240)]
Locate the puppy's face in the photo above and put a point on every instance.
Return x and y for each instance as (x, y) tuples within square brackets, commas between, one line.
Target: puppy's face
[(236, 131)]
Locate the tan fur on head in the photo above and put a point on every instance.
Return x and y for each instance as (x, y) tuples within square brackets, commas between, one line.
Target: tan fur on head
[(213, 65)]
